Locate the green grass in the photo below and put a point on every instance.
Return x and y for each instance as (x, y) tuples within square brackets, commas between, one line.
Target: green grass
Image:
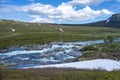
[(107, 51), (31, 33), (58, 74)]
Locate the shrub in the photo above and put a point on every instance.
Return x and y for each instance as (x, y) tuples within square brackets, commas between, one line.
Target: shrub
[(87, 48), (109, 39)]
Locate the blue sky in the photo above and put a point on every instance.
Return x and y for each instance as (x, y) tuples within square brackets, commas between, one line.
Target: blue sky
[(58, 11)]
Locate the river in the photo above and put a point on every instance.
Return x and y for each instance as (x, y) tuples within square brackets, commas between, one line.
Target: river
[(46, 54)]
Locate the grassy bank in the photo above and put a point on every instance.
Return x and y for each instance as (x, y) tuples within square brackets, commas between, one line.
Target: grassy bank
[(31, 33), (58, 74), (105, 51)]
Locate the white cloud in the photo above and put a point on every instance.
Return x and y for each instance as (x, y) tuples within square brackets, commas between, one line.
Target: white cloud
[(38, 8), (61, 13), (39, 19), (69, 13), (85, 2)]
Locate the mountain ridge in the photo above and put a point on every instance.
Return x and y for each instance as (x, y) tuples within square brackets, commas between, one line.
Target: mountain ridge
[(113, 21)]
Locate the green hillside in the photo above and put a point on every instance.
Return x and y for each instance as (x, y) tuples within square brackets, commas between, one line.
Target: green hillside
[(35, 33), (113, 21)]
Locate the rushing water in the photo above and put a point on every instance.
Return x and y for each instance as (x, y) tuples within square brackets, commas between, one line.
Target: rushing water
[(45, 54)]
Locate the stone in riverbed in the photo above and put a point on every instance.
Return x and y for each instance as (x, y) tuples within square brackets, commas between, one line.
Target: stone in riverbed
[(78, 48)]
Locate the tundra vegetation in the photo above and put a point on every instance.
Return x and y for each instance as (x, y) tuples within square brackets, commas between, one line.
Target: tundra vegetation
[(32, 33)]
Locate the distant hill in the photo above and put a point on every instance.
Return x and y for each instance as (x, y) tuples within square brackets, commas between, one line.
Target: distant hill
[(113, 21)]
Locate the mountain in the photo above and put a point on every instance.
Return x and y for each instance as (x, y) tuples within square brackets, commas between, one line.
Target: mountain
[(113, 21)]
